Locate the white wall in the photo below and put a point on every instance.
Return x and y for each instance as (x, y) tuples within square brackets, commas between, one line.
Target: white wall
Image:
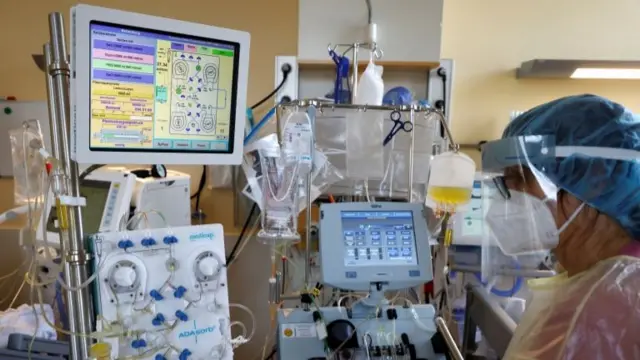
[(408, 30)]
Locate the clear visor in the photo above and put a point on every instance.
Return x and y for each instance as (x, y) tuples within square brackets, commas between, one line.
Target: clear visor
[(519, 205)]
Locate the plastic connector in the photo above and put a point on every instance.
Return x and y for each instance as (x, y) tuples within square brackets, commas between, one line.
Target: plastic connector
[(158, 320), (181, 315), (180, 291), (138, 344), (155, 294), (147, 242), (170, 239), (184, 355), (372, 33), (125, 244), (160, 357)]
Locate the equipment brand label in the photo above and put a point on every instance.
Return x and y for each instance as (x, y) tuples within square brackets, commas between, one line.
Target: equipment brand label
[(196, 332), (201, 236)]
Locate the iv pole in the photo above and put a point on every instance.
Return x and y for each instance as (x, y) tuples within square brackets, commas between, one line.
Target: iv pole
[(66, 183)]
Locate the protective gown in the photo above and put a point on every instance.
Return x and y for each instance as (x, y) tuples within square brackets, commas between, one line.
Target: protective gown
[(594, 315)]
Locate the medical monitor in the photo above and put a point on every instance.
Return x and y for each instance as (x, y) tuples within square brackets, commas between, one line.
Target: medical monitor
[(150, 90), (108, 196), (363, 244)]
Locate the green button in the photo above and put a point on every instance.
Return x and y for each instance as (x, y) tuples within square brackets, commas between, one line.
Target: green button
[(8, 110)]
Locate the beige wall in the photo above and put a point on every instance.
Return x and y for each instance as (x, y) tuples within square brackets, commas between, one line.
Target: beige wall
[(488, 39)]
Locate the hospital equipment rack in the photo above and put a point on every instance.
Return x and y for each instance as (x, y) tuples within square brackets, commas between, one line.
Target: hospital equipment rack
[(312, 107)]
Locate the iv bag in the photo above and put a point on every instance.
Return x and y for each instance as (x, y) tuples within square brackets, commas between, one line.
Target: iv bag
[(279, 216), (28, 165), (365, 153)]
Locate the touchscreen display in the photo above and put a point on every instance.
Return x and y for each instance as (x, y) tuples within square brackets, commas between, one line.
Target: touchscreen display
[(378, 238), (162, 92)]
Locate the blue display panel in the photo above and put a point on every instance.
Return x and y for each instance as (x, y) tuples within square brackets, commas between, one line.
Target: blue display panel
[(379, 238)]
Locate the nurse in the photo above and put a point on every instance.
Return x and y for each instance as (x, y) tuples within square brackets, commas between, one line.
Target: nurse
[(566, 178)]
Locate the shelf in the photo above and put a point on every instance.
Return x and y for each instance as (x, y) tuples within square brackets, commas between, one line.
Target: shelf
[(388, 65)]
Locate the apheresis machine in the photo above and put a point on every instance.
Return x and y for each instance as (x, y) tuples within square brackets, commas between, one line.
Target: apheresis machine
[(372, 248), (139, 281)]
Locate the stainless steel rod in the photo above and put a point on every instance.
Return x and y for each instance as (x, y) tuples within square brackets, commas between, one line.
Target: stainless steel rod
[(78, 305), (354, 74), (412, 147), (448, 338)]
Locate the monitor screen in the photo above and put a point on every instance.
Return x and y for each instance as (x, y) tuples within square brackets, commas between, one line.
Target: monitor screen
[(161, 92), (96, 193), (378, 238), (473, 219)]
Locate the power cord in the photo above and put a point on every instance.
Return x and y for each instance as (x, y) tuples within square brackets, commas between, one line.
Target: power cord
[(286, 70), (442, 104)]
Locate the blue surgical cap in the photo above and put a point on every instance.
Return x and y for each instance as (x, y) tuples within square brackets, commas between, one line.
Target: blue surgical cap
[(610, 186)]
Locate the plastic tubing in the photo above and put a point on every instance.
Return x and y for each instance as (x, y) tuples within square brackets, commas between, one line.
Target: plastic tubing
[(254, 131), (253, 319)]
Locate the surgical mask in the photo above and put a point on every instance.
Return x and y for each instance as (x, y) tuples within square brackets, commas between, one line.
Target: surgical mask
[(524, 224)]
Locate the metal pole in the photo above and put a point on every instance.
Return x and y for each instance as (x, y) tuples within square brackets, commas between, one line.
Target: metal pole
[(354, 73), (412, 148), (448, 338), (311, 112), (78, 305)]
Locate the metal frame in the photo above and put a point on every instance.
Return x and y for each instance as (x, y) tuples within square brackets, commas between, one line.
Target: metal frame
[(485, 313)]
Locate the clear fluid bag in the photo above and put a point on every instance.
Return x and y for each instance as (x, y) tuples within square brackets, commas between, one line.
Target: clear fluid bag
[(365, 154), (28, 164), (279, 216)]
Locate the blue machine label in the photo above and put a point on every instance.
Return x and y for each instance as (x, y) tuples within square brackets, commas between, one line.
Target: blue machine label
[(196, 332), (201, 236), (414, 273)]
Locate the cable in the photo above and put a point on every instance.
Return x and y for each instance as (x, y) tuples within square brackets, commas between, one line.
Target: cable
[(90, 169), (272, 354), (201, 184), (369, 11), (286, 70), (232, 255)]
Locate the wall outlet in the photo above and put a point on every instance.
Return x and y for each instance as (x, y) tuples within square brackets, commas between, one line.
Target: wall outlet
[(289, 91)]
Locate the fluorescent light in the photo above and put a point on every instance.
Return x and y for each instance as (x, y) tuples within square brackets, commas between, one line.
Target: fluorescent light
[(602, 73)]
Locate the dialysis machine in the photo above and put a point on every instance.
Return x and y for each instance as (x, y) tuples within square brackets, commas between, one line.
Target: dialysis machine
[(143, 90), (374, 248)]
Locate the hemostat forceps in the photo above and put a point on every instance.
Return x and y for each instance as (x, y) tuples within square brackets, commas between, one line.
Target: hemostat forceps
[(398, 125)]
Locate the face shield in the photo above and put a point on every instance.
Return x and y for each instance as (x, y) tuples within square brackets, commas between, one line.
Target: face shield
[(519, 203)]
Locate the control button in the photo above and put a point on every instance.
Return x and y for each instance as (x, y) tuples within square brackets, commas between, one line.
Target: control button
[(362, 252), (390, 233), (391, 237), (208, 266), (406, 251), (406, 233), (349, 243), (391, 242), (393, 252), (124, 276), (361, 243)]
